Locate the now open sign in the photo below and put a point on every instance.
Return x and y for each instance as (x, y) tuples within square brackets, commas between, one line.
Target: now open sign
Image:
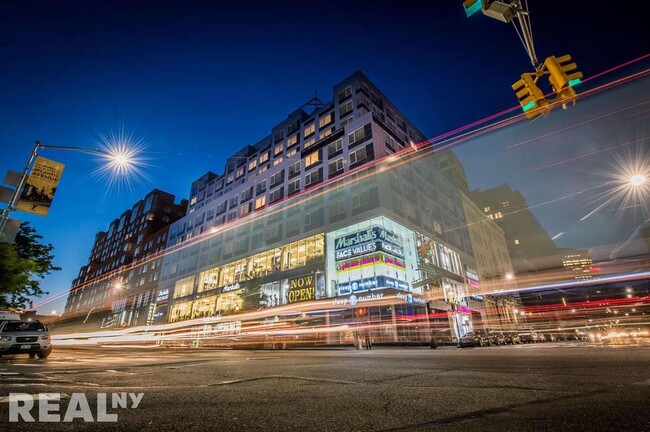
[(301, 288)]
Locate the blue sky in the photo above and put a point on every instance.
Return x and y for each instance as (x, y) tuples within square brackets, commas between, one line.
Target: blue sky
[(198, 80)]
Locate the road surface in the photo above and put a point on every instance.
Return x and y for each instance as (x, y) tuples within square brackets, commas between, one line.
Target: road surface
[(572, 386)]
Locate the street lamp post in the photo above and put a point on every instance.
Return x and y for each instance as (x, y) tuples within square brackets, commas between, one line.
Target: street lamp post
[(118, 159)]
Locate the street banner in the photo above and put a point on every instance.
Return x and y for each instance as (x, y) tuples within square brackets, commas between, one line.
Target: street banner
[(40, 188)]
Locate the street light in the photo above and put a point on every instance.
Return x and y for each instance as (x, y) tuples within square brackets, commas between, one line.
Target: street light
[(637, 180), (118, 159)]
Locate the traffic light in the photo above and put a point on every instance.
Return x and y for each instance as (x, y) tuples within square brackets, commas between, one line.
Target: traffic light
[(563, 75), (530, 97), (472, 6)]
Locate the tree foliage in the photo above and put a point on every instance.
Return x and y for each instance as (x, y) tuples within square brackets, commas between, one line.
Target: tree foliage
[(22, 265)]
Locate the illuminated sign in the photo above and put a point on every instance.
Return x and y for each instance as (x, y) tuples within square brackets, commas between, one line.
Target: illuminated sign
[(368, 261), (233, 287), (353, 300), (371, 283), (411, 299), (370, 235), (471, 274), (302, 288), (368, 248), (163, 295)]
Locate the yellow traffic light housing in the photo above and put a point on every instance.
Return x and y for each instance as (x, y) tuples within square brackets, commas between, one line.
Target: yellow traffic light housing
[(530, 97), (563, 75)]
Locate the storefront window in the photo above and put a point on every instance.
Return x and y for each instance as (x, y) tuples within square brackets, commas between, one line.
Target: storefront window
[(184, 287), (293, 255)]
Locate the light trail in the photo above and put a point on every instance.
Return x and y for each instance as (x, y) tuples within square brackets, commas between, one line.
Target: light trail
[(407, 154)]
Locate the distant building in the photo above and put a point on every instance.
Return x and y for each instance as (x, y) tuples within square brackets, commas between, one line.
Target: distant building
[(580, 264), (107, 291), (493, 268), (529, 245)]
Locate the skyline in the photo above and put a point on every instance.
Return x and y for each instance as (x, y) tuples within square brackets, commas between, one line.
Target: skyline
[(258, 108)]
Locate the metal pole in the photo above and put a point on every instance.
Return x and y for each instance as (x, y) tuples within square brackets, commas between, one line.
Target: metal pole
[(528, 38), (4, 216), (16, 195)]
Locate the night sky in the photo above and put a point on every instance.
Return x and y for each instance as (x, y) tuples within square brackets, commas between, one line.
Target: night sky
[(199, 80)]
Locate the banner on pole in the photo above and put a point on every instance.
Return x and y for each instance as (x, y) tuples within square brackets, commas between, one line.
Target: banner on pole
[(37, 195)]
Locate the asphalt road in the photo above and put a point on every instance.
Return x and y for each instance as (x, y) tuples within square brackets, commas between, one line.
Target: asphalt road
[(575, 386)]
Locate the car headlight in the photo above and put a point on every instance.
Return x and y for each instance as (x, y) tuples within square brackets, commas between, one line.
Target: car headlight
[(6, 338), (46, 337)]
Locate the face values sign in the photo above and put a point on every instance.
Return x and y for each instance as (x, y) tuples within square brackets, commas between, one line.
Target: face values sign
[(302, 288), (37, 195)]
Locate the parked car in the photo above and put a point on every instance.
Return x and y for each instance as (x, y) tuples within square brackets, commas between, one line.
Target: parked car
[(528, 337), (541, 337), (474, 339), (550, 337), (25, 337), (496, 338), (512, 338), (8, 316)]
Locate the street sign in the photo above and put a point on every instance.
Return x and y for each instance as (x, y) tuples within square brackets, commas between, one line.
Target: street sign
[(12, 178), (6, 194), (8, 235)]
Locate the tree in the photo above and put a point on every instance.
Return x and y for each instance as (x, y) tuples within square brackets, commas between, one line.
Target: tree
[(252, 295), (22, 264)]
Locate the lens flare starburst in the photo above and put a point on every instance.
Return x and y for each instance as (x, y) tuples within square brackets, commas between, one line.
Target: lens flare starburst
[(627, 187), (123, 162)]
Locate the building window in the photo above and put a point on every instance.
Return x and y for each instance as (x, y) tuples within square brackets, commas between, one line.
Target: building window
[(260, 188), (252, 164), (310, 142), (278, 149), (260, 202), (486, 209), (240, 172), (247, 194), (361, 156), (278, 161), (335, 148), (294, 186), (277, 178), (292, 153), (294, 169), (325, 120), (516, 241), (325, 133), (345, 109), (293, 139), (313, 177), (335, 167), (276, 195), (360, 135), (309, 130), (246, 208), (264, 157), (312, 159), (346, 92), (262, 169), (193, 201)]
